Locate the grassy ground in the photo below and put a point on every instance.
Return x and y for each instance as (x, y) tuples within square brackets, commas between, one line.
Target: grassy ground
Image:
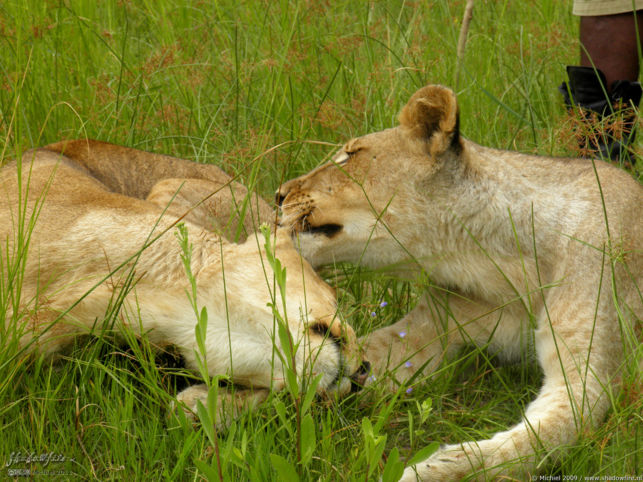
[(224, 82)]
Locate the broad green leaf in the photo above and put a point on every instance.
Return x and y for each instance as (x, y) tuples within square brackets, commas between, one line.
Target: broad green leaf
[(307, 438), (285, 470), (311, 391), (394, 467), (367, 429), (424, 453), (206, 421), (291, 381), (209, 471), (285, 339)]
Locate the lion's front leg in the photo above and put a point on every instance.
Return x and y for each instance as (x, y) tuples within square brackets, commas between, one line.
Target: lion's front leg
[(577, 370), (439, 325), (398, 351), (230, 403)]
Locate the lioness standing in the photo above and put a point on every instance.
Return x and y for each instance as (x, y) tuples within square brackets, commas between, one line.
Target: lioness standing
[(524, 250)]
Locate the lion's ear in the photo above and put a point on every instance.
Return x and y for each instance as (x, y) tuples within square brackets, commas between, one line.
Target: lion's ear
[(431, 114)]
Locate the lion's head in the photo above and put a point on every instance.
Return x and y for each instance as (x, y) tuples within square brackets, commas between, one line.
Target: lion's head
[(362, 205), (323, 344)]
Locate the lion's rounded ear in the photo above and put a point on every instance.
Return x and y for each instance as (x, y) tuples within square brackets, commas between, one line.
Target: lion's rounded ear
[(431, 114)]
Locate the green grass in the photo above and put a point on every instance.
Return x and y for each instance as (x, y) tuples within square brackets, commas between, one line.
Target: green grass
[(224, 82)]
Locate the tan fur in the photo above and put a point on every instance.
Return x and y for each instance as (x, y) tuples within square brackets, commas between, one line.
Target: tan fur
[(92, 235), (157, 178), (524, 252)]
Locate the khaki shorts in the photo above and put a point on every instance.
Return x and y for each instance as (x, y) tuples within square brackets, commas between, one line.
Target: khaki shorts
[(605, 7)]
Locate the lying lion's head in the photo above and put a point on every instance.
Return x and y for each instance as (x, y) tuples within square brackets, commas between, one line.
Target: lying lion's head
[(244, 332), (362, 205)]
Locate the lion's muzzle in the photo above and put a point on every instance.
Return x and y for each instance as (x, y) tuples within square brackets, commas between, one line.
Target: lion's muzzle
[(299, 214)]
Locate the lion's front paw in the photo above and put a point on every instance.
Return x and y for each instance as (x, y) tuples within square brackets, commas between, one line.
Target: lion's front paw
[(483, 460), (448, 463), (187, 399), (229, 403), (395, 357)]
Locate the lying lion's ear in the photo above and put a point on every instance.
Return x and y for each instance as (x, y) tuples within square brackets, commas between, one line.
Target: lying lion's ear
[(432, 114)]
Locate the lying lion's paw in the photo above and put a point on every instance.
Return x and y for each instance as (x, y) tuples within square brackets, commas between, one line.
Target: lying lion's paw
[(229, 403), (187, 400), (445, 464), (487, 460)]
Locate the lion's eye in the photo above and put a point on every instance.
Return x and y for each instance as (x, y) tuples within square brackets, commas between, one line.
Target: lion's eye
[(344, 157)]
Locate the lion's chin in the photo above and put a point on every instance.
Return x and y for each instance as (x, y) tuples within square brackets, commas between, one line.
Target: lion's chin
[(342, 388)]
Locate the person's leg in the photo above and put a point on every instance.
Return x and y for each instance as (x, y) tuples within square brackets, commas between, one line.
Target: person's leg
[(603, 92), (609, 44)]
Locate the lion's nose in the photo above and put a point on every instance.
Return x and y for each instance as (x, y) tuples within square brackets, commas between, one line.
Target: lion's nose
[(358, 379), (285, 189), (279, 197)]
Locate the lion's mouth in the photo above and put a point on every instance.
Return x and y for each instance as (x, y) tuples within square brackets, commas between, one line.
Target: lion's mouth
[(357, 380), (329, 230)]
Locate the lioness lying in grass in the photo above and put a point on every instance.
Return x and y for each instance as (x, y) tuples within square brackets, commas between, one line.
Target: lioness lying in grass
[(88, 229)]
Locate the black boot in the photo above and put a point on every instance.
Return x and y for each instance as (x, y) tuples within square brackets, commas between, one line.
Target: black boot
[(609, 120)]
